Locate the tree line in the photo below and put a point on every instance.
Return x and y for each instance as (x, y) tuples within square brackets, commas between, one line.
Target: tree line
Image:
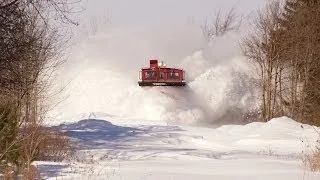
[(285, 44), (31, 50)]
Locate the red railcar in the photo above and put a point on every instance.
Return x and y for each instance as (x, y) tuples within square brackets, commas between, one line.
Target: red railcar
[(160, 75)]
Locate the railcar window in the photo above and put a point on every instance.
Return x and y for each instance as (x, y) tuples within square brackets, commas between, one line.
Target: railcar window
[(161, 75), (173, 75), (151, 75)]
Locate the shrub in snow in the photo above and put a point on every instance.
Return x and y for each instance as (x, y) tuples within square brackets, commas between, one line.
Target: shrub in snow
[(312, 158)]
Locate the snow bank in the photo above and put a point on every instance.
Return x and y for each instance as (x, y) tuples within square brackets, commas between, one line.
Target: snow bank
[(104, 72), (126, 149), (281, 136)]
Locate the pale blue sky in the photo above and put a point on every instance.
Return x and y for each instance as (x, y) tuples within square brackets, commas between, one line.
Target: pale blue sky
[(160, 11)]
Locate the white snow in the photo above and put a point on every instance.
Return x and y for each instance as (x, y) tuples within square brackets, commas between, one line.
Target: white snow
[(119, 149)]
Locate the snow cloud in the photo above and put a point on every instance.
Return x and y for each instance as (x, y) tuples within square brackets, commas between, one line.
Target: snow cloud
[(104, 70)]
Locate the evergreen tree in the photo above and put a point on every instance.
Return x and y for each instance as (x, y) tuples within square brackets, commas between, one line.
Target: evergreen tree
[(300, 26)]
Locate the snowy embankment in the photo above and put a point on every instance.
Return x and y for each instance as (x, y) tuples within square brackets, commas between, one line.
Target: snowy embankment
[(119, 149)]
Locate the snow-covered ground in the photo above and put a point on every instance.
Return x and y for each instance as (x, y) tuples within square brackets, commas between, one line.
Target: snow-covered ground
[(111, 148)]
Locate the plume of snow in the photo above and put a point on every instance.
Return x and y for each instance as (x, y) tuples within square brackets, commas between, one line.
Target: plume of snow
[(104, 70)]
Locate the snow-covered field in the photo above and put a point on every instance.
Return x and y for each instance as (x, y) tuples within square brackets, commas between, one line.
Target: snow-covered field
[(124, 131), (111, 148)]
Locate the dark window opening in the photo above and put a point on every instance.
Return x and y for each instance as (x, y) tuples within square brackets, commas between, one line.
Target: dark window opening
[(151, 75), (161, 75), (173, 75)]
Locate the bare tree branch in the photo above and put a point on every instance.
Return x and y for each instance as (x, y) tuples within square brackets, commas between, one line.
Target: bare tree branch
[(219, 26), (9, 4)]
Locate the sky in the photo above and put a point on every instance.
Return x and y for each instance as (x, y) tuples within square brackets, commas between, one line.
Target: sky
[(137, 12)]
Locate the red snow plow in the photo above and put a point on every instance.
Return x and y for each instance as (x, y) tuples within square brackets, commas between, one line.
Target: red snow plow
[(160, 75)]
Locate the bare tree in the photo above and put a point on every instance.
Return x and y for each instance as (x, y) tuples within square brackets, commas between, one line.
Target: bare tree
[(220, 24), (31, 47), (262, 46)]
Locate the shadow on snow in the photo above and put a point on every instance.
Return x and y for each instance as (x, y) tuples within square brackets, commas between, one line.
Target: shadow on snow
[(125, 143), (51, 170), (101, 134)]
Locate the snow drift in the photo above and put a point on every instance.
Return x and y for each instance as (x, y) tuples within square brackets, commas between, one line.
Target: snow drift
[(104, 68), (118, 149)]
